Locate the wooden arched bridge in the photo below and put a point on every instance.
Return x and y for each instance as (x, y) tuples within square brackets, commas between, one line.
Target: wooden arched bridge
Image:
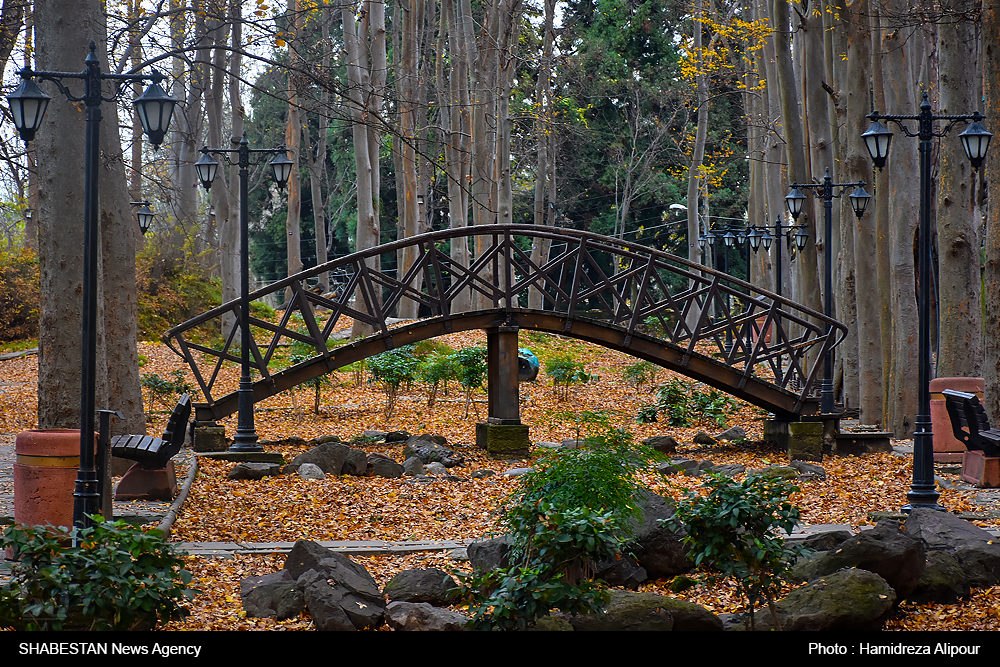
[(707, 325)]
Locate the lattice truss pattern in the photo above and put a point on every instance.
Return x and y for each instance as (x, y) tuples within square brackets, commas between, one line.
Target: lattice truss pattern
[(631, 289)]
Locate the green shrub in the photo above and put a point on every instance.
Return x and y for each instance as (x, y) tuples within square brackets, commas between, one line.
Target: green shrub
[(565, 372), (682, 404), (470, 371), (640, 373), (20, 295), (436, 370), (172, 292), (116, 577), (577, 507), (735, 530), (162, 391), (390, 370)]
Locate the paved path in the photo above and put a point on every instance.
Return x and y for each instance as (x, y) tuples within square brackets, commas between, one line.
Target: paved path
[(164, 514)]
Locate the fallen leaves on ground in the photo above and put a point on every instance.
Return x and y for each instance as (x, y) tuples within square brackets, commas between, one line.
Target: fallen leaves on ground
[(287, 508)]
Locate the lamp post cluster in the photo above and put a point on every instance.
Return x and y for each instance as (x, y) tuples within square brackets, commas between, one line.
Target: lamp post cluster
[(975, 140), (245, 439), (859, 202), (155, 109)]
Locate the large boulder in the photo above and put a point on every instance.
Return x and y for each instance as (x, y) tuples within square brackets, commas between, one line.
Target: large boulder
[(627, 610), (971, 546), (422, 616), (489, 555), (851, 600), (886, 550), (329, 456), (431, 452), (943, 581), (270, 595), (380, 465), (657, 545), (429, 585)]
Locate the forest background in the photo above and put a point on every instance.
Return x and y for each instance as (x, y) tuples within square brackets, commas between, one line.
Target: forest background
[(661, 122)]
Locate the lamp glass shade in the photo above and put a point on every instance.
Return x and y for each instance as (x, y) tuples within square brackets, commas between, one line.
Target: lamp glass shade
[(766, 240), (27, 105), (800, 239), (710, 237), (206, 167), (155, 108), (976, 141), (877, 139), (281, 169), (859, 201), (145, 216), (793, 200), (729, 238), (754, 238)]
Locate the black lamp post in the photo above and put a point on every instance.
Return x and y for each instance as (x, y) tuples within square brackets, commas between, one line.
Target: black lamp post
[(758, 239), (859, 202), (155, 108), (281, 168), (975, 141)]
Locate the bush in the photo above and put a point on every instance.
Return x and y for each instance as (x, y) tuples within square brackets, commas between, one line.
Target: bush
[(734, 530), (160, 390), (390, 370), (576, 508), (639, 373), (20, 295), (172, 292), (681, 404), (436, 370), (470, 363), (116, 578), (565, 372)]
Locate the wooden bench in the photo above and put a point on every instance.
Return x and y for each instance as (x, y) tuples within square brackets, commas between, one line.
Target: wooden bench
[(152, 477), (971, 426), (970, 423)]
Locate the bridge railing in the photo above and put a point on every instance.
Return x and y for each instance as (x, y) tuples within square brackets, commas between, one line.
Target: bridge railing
[(630, 288)]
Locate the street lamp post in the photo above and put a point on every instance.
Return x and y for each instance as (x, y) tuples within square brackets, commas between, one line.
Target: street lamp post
[(155, 109), (859, 202), (756, 238), (975, 141), (245, 439)]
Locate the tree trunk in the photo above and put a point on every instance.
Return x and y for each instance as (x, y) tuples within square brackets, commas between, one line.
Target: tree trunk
[(960, 314), (991, 81), (293, 138)]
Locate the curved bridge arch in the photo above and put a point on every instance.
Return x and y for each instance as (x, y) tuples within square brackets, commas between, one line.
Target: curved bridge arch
[(691, 319)]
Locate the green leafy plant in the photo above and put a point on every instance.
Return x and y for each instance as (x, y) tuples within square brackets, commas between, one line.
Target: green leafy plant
[(470, 371), (576, 508), (115, 577), (436, 370), (735, 531), (681, 404), (565, 372), (161, 390), (639, 373), (390, 370)]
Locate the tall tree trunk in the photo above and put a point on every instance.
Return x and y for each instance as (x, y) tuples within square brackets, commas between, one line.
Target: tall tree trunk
[(991, 296), (960, 314), (293, 138)]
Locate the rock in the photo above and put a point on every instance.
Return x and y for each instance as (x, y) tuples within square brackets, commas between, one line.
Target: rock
[(657, 546), (434, 438), (782, 472), (330, 457), (943, 581), (323, 439), (429, 585), (809, 470), (483, 473), (826, 541), (517, 472), (571, 443), (647, 611), (429, 452), (662, 443), (552, 623), (397, 436), (356, 463), (374, 435), (422, 616), (624, 572), (311, 471), (271, 595), (254, 471), (971, 546), (336, 589), (884, 550), (678, 466), (334, 608), (489, 555), (734, 433), (727, 470), (436, 469), (413, 466), (702, 438), (380, 465), (847, 600)]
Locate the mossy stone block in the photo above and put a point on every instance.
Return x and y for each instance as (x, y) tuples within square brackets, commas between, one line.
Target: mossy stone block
[(504, 441)]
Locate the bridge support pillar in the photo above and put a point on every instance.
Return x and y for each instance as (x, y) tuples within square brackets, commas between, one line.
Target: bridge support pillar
[(503, 435), (803, 440)]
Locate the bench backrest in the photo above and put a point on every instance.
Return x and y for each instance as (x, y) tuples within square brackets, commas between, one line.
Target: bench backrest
[(966, 411), (173, 435)]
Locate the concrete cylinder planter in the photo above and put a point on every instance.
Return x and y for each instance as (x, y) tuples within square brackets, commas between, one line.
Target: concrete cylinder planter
[(45, 471)]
